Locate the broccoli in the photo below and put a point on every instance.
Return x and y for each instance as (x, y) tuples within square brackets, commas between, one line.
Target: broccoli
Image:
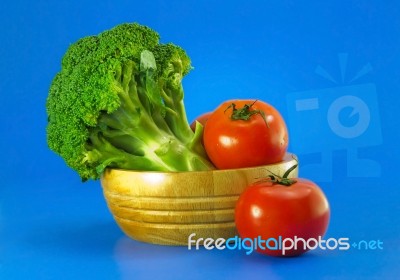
[(118, 103)]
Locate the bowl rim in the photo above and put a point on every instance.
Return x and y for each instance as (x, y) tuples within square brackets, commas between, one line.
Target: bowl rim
[(287, 157)]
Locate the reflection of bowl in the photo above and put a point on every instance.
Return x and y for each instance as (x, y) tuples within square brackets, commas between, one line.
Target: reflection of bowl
[(166, 207)]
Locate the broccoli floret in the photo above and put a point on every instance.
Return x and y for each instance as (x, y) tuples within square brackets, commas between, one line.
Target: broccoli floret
[(118, 102)]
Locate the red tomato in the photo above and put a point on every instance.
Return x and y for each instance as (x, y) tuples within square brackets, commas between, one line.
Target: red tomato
[(245, 133), (270, 210), (201, 119)]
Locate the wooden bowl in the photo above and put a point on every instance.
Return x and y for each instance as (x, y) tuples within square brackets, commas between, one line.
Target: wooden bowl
[(166, 207)]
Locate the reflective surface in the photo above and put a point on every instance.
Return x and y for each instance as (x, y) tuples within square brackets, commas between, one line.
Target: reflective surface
[(66, 232)]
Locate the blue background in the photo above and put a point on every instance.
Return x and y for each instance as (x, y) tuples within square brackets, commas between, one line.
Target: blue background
[(54, 227)]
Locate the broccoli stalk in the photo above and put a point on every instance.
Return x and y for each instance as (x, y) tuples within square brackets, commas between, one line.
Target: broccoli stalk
[(118, 103)]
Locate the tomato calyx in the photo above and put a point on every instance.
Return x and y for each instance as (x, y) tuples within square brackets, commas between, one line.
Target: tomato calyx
[(245, 112), (282, 180)]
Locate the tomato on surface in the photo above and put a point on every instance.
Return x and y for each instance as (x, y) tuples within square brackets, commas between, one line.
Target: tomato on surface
[(270, 210), (245, 133), (201, 119)]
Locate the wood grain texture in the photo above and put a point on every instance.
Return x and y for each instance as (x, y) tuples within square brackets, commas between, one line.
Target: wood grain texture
[(166, 207)]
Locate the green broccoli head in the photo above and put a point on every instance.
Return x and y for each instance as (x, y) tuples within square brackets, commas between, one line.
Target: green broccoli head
[(118, 102)]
